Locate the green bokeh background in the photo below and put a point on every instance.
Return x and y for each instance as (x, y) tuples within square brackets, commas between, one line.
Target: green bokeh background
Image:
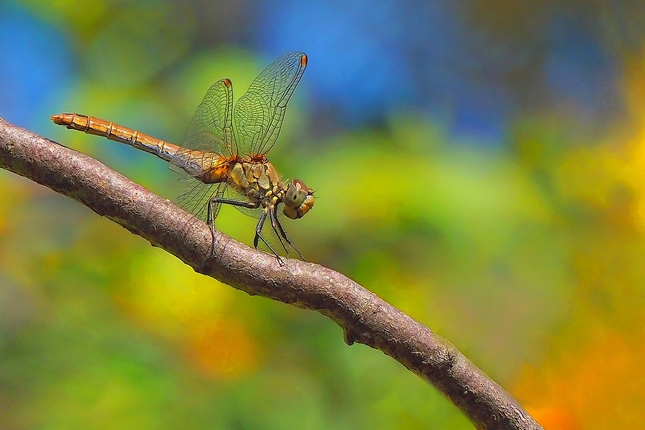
[(529, 257)]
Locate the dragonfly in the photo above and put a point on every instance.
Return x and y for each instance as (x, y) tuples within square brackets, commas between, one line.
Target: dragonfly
[(225, 153)]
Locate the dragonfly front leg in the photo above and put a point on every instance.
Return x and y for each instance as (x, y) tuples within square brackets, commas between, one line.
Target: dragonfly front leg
[(210, 215), (279, 231), (274, 225), (258, 235)]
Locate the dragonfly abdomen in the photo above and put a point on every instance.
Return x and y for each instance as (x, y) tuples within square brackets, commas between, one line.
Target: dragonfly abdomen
[(117, 133)]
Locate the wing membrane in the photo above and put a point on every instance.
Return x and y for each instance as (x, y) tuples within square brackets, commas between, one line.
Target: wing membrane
[(196, 196), (260, 112), (211, 129), (211, 132)]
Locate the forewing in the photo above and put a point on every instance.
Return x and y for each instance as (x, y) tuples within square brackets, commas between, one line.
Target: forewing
[(259, 113)]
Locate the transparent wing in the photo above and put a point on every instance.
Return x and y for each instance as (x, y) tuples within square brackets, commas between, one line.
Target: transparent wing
[(210, 134), (196, 196), (259, 113), (211, 129)]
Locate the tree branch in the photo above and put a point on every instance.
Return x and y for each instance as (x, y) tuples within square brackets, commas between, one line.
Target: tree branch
[(364, 317)]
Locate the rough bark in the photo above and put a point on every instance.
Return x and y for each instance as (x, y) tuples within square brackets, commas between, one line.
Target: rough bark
[(364, 317)]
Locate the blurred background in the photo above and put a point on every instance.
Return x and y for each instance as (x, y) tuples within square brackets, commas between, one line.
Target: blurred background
[(477, 164)]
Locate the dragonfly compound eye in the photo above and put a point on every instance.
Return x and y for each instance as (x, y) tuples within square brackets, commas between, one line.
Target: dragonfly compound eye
[(297, 200), (296, 194)]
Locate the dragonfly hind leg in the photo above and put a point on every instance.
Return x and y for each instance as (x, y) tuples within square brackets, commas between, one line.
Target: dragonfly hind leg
[(212, 213)]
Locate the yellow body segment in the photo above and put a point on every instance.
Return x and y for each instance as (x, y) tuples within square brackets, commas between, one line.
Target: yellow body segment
[(118, 133)]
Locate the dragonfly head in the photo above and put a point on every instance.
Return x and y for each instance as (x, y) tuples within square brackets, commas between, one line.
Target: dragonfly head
[(297, 200)]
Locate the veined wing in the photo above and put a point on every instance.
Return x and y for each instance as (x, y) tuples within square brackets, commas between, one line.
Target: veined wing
[(196, 196), (259, 113), (211, 129), (210, 137)]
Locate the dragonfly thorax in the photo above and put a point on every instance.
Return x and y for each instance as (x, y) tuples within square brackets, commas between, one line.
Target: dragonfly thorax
[(254, 179), (259, 181)]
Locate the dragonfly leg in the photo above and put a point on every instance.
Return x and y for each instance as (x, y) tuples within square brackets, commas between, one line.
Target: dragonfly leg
[(274, 221), (258, 236), (279, 231), (210, 215)]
